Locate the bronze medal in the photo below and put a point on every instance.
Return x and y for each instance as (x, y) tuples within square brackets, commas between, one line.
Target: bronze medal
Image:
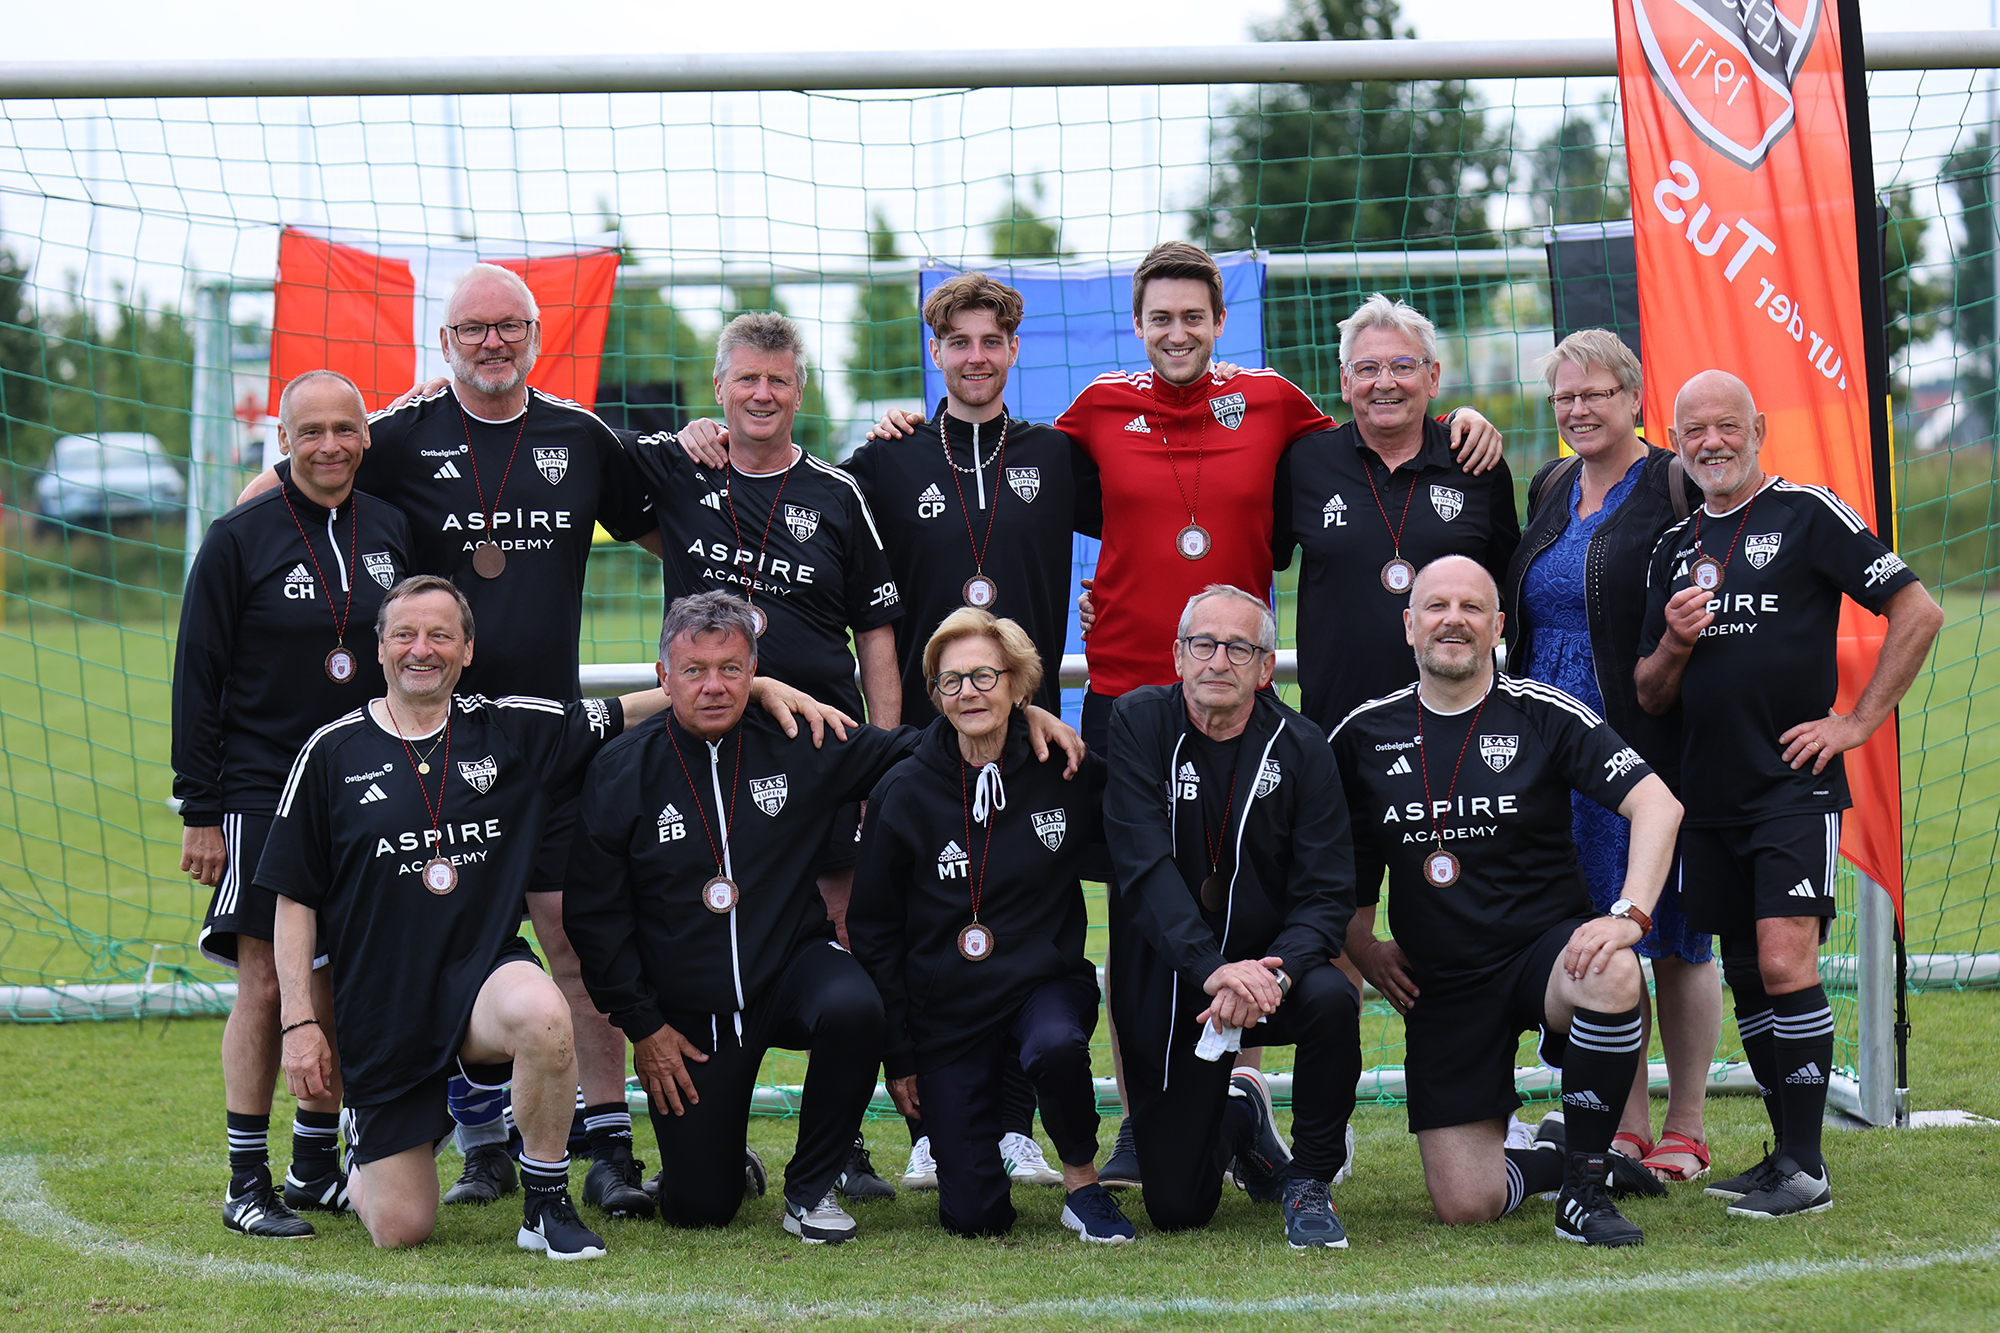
[(975, 943), (1214, 893), (719, 895), (981, 592), (1706, 573), (488, 560), (1441, 869), (1193, 542), (1398, 575), (340, 666), (758, 620), (440, 876)]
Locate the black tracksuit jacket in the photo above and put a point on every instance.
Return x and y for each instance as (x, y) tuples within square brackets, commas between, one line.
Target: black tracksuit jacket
[(1291, 894), (651, 952), (913, 892)]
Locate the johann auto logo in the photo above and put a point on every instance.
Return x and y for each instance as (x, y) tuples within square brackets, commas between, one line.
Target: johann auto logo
[(1729, 64)]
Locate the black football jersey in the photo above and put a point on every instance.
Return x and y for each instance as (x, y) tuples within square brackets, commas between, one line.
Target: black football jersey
[(1339, 504), (357, 822), (537, 486), (1024, 498), (278, 582), (800, 544), (1768, 662), (1491, 785)]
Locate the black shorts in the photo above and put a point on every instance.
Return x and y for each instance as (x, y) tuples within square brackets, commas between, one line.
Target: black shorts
[(239, 907), (1461, 1038), (417, 1118), (1740, 874), (420, 1115), (842, 840), (552, 857)]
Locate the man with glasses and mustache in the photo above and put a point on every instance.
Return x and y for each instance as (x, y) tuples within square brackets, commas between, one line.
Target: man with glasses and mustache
[(1743, 605), (1372, 502), (1229, 835)]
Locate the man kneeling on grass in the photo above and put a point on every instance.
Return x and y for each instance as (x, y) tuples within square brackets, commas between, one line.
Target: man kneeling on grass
[(1494, 933), (405, 836)]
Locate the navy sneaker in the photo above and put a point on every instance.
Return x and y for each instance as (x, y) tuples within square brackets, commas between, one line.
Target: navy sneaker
[(1261, 1158), (549, 1223), (1311, 1220), (1095, 1216)]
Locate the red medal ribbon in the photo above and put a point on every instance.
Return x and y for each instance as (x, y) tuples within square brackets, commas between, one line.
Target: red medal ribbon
[(1395, 533), (728, 820), (1423, 764), (345, 620), (472, 462), (729, 495), (979, 549)]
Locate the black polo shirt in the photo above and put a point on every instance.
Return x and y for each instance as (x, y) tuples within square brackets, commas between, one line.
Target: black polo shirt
[(356, 824), (546, 482), (801, 544), (1517, 755), (1024, 498), (1768, 662), (1342, 506)]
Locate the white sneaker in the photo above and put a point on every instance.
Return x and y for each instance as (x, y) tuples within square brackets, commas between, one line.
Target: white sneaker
[(921, 1173), (1518, 1134), (825, 1223), (1023, 1159)]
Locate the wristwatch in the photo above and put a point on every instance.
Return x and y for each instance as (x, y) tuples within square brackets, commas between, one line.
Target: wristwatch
[(1628, 910)]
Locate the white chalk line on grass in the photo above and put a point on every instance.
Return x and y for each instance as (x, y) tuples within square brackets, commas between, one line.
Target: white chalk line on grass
[(25, 1206)]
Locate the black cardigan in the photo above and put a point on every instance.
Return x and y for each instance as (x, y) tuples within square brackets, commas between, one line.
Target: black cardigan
[(1615, 570)]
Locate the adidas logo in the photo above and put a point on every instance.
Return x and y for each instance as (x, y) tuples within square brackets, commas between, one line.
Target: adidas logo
[(1586, 1099), (299, 574), (373, 794), (1810, 1074), (1802, 889), (1137, 425), (1402, 765), (953, 863), (1187, 773), (448, 472), (931, 492), (713, 500)]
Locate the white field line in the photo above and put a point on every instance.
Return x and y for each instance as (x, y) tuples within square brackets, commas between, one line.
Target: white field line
[(25, 1206)]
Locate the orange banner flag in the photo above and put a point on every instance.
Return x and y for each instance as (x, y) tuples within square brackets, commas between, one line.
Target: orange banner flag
[(1744, 138)]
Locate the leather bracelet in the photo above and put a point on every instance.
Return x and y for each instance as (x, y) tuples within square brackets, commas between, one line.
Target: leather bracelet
[(302, 1023)]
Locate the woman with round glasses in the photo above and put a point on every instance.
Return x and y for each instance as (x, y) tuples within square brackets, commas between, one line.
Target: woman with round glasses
[(1576, 592), (968, 912)]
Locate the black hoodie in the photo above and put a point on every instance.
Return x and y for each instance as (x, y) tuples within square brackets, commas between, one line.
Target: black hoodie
[(1291, 892), (913, 891), (633, 903)]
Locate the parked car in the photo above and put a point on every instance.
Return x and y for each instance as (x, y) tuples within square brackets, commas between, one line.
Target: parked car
[(92, 481)]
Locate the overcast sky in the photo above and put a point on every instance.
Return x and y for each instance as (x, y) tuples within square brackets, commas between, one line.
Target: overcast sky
[(196, 29)]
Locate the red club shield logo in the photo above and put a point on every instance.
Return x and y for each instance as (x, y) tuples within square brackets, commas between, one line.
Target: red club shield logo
[(1728, 65)]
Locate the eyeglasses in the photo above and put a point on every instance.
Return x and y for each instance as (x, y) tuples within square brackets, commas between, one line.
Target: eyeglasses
[(510, 331), (949, 683), (1403, 367), (1241, 653), (1563, 402)]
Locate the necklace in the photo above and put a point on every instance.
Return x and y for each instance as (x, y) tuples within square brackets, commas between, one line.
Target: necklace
[(488, 560), (340, 663), (1193, 541), (976, 942), (1214, 892), (757, 616), (980, 590), (440, 876), (1398, 574), (720, 894), (1440, 866), (1706, 571)]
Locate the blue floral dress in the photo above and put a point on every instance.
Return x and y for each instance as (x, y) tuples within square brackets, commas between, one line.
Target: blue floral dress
[(1552, 594)]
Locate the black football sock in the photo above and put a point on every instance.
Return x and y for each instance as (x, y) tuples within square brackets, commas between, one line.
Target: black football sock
[(541, 1179), (1803, 1042), (1754, 1024), (249, 1150), (1532, 1171), (315, 1144), (1597, 1072), (608, 1125)]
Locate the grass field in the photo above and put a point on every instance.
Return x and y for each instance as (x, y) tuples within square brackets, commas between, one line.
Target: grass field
[(110, 1180)]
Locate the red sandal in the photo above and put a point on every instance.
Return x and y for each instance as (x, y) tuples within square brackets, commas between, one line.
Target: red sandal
[(1674, 1143), (1642, 1149)]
